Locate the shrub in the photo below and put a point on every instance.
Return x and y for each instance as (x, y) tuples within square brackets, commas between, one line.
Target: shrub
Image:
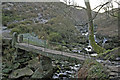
[(12, 25), (55, 37), (16, 30)]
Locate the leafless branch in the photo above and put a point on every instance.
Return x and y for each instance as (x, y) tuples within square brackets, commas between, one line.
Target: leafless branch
[(101, 6), (117, 2), (78, 7), (100, 9), (96, 7), (95, 14)]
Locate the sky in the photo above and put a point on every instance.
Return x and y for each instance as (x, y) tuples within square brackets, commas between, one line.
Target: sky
[(94, 3)]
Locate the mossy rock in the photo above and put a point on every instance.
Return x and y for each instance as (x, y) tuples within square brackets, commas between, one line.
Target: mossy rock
[(92, 69), (23, 60), (34, 63), (13, 66)]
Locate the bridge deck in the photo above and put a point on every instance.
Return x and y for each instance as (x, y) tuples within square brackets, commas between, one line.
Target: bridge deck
[(54, 54)]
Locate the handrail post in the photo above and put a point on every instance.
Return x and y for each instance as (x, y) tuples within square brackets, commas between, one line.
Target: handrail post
[(14, 39), (20, 38)]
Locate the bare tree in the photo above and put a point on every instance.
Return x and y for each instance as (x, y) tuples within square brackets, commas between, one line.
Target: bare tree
[(92, 42)]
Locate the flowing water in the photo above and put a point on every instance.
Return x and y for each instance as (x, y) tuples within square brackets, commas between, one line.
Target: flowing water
[(66, 70)]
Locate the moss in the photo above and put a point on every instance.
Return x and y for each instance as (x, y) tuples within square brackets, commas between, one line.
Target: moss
[(94, 70), (96, 47), (109, 54)]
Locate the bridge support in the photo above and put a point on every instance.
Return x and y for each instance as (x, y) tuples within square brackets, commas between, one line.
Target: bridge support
[(15, 53), (16, 39), (45, 69), (46, 63)]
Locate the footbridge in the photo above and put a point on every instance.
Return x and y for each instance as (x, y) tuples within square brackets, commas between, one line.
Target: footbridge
[(17, 42)]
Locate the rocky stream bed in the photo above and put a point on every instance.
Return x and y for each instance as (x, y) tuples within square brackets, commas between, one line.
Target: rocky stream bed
[(26, 65)]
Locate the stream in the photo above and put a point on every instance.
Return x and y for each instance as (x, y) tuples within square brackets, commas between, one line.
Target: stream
[(66, 69)]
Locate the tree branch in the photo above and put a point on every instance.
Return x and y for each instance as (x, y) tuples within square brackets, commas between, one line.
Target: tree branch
[(101, 6), (95, 14), (100, 9), (78, 7), (117, 2)]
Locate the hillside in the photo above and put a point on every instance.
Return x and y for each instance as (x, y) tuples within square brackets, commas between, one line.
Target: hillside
[(107, 24), (44, 19), (47, 32), (57, 19)]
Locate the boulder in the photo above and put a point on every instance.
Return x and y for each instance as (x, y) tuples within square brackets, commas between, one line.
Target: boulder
[(6, 70), (46, 63), (16, 65), (21, 72), (92, 69), (38, 74), (34, 63)]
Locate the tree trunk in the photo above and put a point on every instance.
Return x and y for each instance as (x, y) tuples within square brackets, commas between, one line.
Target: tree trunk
[(92, 42)]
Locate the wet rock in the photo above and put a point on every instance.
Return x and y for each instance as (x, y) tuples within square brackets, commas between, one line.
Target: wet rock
[(69, 72), (74, 68), (23, 60), (38, 73), (64, 47), (67, 68), (113, 68), (117, 59), (4, 75), (57, 62), (14, 66), (63, 75), (67, 50), (55, 77), (35, 63), (21, 72), (113, 74), (6, 70), (71, 64)]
